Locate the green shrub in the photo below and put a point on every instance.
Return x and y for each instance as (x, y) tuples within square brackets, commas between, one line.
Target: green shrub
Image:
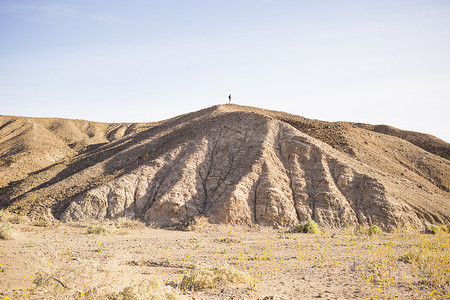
[(436, 228), (373, 230), (308, 227), (367, 230), (411, 257)]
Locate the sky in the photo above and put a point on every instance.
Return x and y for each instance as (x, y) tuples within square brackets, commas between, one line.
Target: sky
[(376, 62)]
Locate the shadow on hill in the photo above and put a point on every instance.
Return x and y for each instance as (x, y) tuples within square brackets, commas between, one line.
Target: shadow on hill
[(97, 155), (188, 139)]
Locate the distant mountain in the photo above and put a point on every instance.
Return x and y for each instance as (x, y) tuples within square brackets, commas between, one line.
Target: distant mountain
[(232, 164)]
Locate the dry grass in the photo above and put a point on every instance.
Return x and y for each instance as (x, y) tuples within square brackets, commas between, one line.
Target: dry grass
[(198, 223), (203, 276), (8, 217), (116, 226), (81, 279), (147, 289), (100, 229), (4, 216), (128, 223), (42, 223), (6, 232)]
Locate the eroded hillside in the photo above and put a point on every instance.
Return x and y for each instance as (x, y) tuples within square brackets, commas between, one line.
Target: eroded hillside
[(230, 163)]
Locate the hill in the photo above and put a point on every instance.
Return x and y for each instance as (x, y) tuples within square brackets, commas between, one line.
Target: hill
[(232, 164)]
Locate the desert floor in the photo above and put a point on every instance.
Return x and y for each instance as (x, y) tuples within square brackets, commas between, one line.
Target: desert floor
[(127, 260)]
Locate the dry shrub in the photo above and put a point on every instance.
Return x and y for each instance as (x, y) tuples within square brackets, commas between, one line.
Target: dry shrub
[(42, 223), (123, 232), (184, 225), (85, 280), (6, 232), (113, 227), (27, 229), (128, 223), (147, 289), (98, 229), (198, 223), (228, 240), (203, 276), (6, 216), (16, 219)]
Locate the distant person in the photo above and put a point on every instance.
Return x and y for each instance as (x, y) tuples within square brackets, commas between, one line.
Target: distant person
[(229, 99)]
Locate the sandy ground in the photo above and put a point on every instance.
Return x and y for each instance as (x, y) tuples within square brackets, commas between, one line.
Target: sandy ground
[(65, 262)]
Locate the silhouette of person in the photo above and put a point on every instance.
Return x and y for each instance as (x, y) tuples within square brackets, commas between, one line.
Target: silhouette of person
[(229, 99)]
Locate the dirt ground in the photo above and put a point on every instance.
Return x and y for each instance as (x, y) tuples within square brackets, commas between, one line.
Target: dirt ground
[(65, 261)]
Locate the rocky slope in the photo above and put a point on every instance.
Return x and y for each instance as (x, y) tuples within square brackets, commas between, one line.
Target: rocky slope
[(232, 164)]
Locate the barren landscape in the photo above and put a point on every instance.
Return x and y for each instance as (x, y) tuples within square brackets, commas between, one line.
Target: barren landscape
[(126, 260), (222, 203)]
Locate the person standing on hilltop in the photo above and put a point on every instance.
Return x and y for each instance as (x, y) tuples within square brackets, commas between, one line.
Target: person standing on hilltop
[(229, 99)]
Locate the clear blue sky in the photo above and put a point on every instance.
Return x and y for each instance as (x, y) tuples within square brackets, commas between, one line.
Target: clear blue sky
[(379, 62)]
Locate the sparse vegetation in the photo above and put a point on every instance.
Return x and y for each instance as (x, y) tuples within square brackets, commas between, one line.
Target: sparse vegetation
[(430, 258), (167, 264)]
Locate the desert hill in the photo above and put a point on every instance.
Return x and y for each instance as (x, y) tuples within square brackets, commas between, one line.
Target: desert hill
[(232, 164), (30, 144)]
